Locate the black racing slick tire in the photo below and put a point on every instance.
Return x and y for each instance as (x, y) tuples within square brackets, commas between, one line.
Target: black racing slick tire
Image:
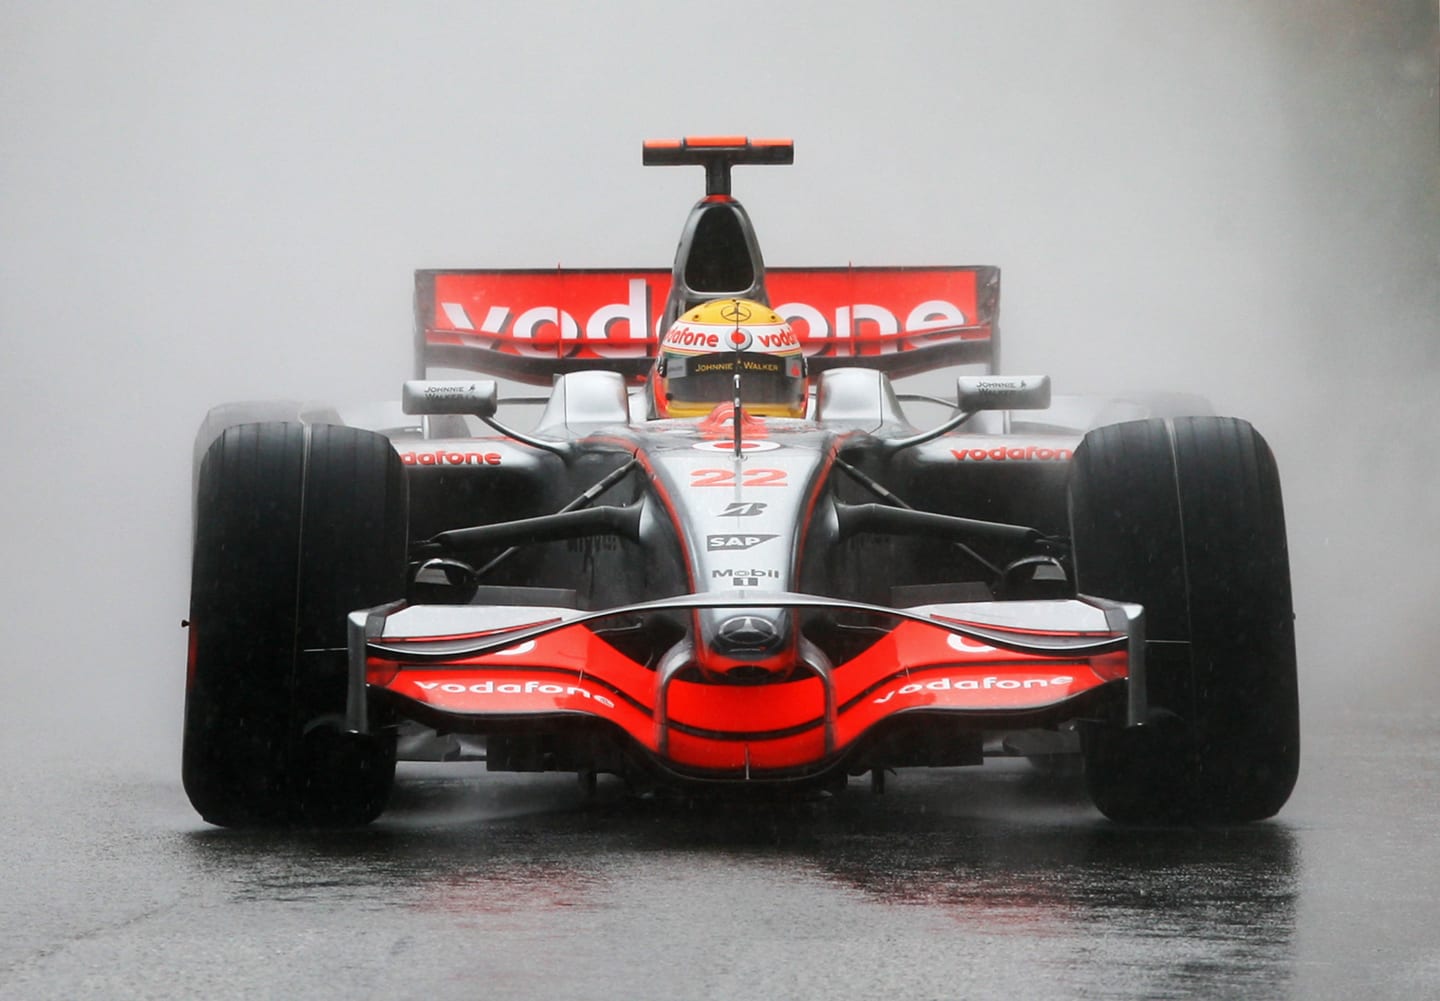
[(296, 526), (1184, 516), (228, 415)]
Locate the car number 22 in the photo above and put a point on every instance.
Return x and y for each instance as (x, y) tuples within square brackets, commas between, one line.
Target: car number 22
[(748, 478)]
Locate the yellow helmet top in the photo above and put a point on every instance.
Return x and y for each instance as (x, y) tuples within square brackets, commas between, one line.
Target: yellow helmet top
[(705, 348)]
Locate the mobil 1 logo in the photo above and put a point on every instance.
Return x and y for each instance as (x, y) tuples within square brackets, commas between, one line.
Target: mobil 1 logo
[(745, 578), (734, 542)]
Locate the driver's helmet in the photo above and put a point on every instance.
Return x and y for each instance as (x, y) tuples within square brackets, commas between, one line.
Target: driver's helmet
[(702, 351)]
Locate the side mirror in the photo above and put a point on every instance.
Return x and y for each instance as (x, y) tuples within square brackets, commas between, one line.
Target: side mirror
[(1002, 392), (477, 397)]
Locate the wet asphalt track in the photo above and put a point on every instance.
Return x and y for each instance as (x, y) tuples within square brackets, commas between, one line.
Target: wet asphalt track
[(1276, 170), (991, 883)]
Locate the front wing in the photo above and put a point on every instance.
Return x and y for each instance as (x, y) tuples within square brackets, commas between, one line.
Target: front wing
[(508, 669)]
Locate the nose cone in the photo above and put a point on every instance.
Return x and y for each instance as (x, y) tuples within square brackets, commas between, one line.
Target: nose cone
[(747, 637), (753, 645)]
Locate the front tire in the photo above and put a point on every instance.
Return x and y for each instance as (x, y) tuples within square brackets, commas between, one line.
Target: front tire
[(1184, 516), (296, 526)]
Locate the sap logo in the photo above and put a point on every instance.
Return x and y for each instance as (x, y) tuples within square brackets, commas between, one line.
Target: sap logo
[(743, 509), (718, 543)]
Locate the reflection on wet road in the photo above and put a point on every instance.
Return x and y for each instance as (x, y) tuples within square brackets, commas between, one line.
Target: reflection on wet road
[(984, 883)]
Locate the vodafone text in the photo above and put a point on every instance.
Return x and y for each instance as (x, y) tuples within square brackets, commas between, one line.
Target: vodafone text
[(708, 338), (975, 684), (623, 325), (450, 458), (512, 688), (689, 337), (1003, 453)]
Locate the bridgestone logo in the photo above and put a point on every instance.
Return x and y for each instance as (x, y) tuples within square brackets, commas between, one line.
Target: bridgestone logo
[(1033, 453)]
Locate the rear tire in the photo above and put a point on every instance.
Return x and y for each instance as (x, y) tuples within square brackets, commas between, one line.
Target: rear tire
[(296, 526), (1184, 516)]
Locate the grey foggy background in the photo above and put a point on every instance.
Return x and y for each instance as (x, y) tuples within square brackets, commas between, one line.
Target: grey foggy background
[(212, 202)]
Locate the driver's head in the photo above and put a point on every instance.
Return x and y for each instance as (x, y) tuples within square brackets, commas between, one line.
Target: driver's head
[(702, 350)]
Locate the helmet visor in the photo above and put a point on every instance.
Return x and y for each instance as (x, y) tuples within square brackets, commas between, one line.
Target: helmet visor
[(710, 379)]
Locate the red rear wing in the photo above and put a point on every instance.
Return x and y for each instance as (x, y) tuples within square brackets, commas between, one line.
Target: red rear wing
[(534, 325)]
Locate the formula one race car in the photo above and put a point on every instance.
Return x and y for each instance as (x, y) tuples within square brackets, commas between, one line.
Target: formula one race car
[(727, 556)]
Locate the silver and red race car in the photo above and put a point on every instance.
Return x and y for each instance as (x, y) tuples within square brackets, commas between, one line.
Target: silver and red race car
[(722, 552)]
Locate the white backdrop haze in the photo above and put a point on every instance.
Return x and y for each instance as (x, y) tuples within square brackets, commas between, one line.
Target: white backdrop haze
[(210, 202)]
